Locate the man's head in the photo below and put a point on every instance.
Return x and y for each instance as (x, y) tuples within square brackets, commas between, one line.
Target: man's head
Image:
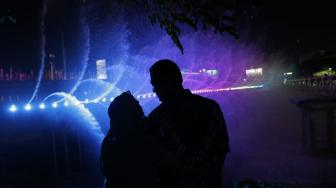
[(166, 79)]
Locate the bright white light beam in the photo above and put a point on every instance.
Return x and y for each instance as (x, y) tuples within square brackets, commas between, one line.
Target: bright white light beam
[(12, 108), (54, 105), (42, 106), (28, 107)]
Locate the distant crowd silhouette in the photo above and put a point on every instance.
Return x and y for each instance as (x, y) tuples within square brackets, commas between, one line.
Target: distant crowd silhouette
[(181, 144)]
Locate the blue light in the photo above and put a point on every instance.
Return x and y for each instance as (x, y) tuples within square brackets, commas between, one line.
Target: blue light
[(42, 106), (104, 100), (66, 103), (12, 108), (86, 101), (28, 107), (111, 99), (54, 105)]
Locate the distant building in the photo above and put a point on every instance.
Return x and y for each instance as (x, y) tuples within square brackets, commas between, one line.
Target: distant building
[(202, 72), (101, 69), (317, 63), (254, 72)]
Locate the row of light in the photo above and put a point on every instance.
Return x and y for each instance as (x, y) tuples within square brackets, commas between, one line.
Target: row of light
[(29, 107), (226, 89), (42, 106)]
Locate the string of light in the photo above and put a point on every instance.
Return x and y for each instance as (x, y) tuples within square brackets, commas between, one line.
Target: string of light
[(28, 107)]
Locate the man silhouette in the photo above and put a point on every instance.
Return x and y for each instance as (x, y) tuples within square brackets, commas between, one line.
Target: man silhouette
[(190, 126)]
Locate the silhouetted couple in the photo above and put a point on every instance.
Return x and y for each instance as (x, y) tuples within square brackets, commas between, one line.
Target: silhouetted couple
[(182, 143)]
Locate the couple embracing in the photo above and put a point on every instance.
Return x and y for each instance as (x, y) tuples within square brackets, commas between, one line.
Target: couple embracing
[(181, 144)]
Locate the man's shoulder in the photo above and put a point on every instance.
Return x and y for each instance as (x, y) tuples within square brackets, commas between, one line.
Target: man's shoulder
[(203, 101), (193, 101)]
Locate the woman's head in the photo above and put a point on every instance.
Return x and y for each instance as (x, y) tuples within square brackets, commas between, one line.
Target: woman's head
[(125, 109)]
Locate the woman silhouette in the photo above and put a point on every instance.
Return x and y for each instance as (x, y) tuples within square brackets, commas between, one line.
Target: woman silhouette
[(125, 155)]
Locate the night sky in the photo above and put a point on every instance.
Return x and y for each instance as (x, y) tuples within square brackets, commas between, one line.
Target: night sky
[(287, 26), (309, 23)]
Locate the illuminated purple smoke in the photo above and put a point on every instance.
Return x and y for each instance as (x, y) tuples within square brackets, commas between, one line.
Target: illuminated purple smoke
[(205, 50)]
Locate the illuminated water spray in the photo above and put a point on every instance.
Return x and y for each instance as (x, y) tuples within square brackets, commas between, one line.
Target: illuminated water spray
[(42, 52), (109, 89), (84, 112), (86, 52), (115, 71)]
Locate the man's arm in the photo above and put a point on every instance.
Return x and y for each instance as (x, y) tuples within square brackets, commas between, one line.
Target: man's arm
[(221, 139)]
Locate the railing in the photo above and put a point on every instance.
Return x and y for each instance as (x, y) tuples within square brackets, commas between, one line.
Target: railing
[(326, 85)]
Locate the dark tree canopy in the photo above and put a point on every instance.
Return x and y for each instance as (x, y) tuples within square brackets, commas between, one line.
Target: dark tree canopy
[(171, 15)]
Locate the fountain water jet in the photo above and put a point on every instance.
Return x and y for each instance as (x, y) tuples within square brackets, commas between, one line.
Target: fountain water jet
[(85, 113), (43, 51)]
